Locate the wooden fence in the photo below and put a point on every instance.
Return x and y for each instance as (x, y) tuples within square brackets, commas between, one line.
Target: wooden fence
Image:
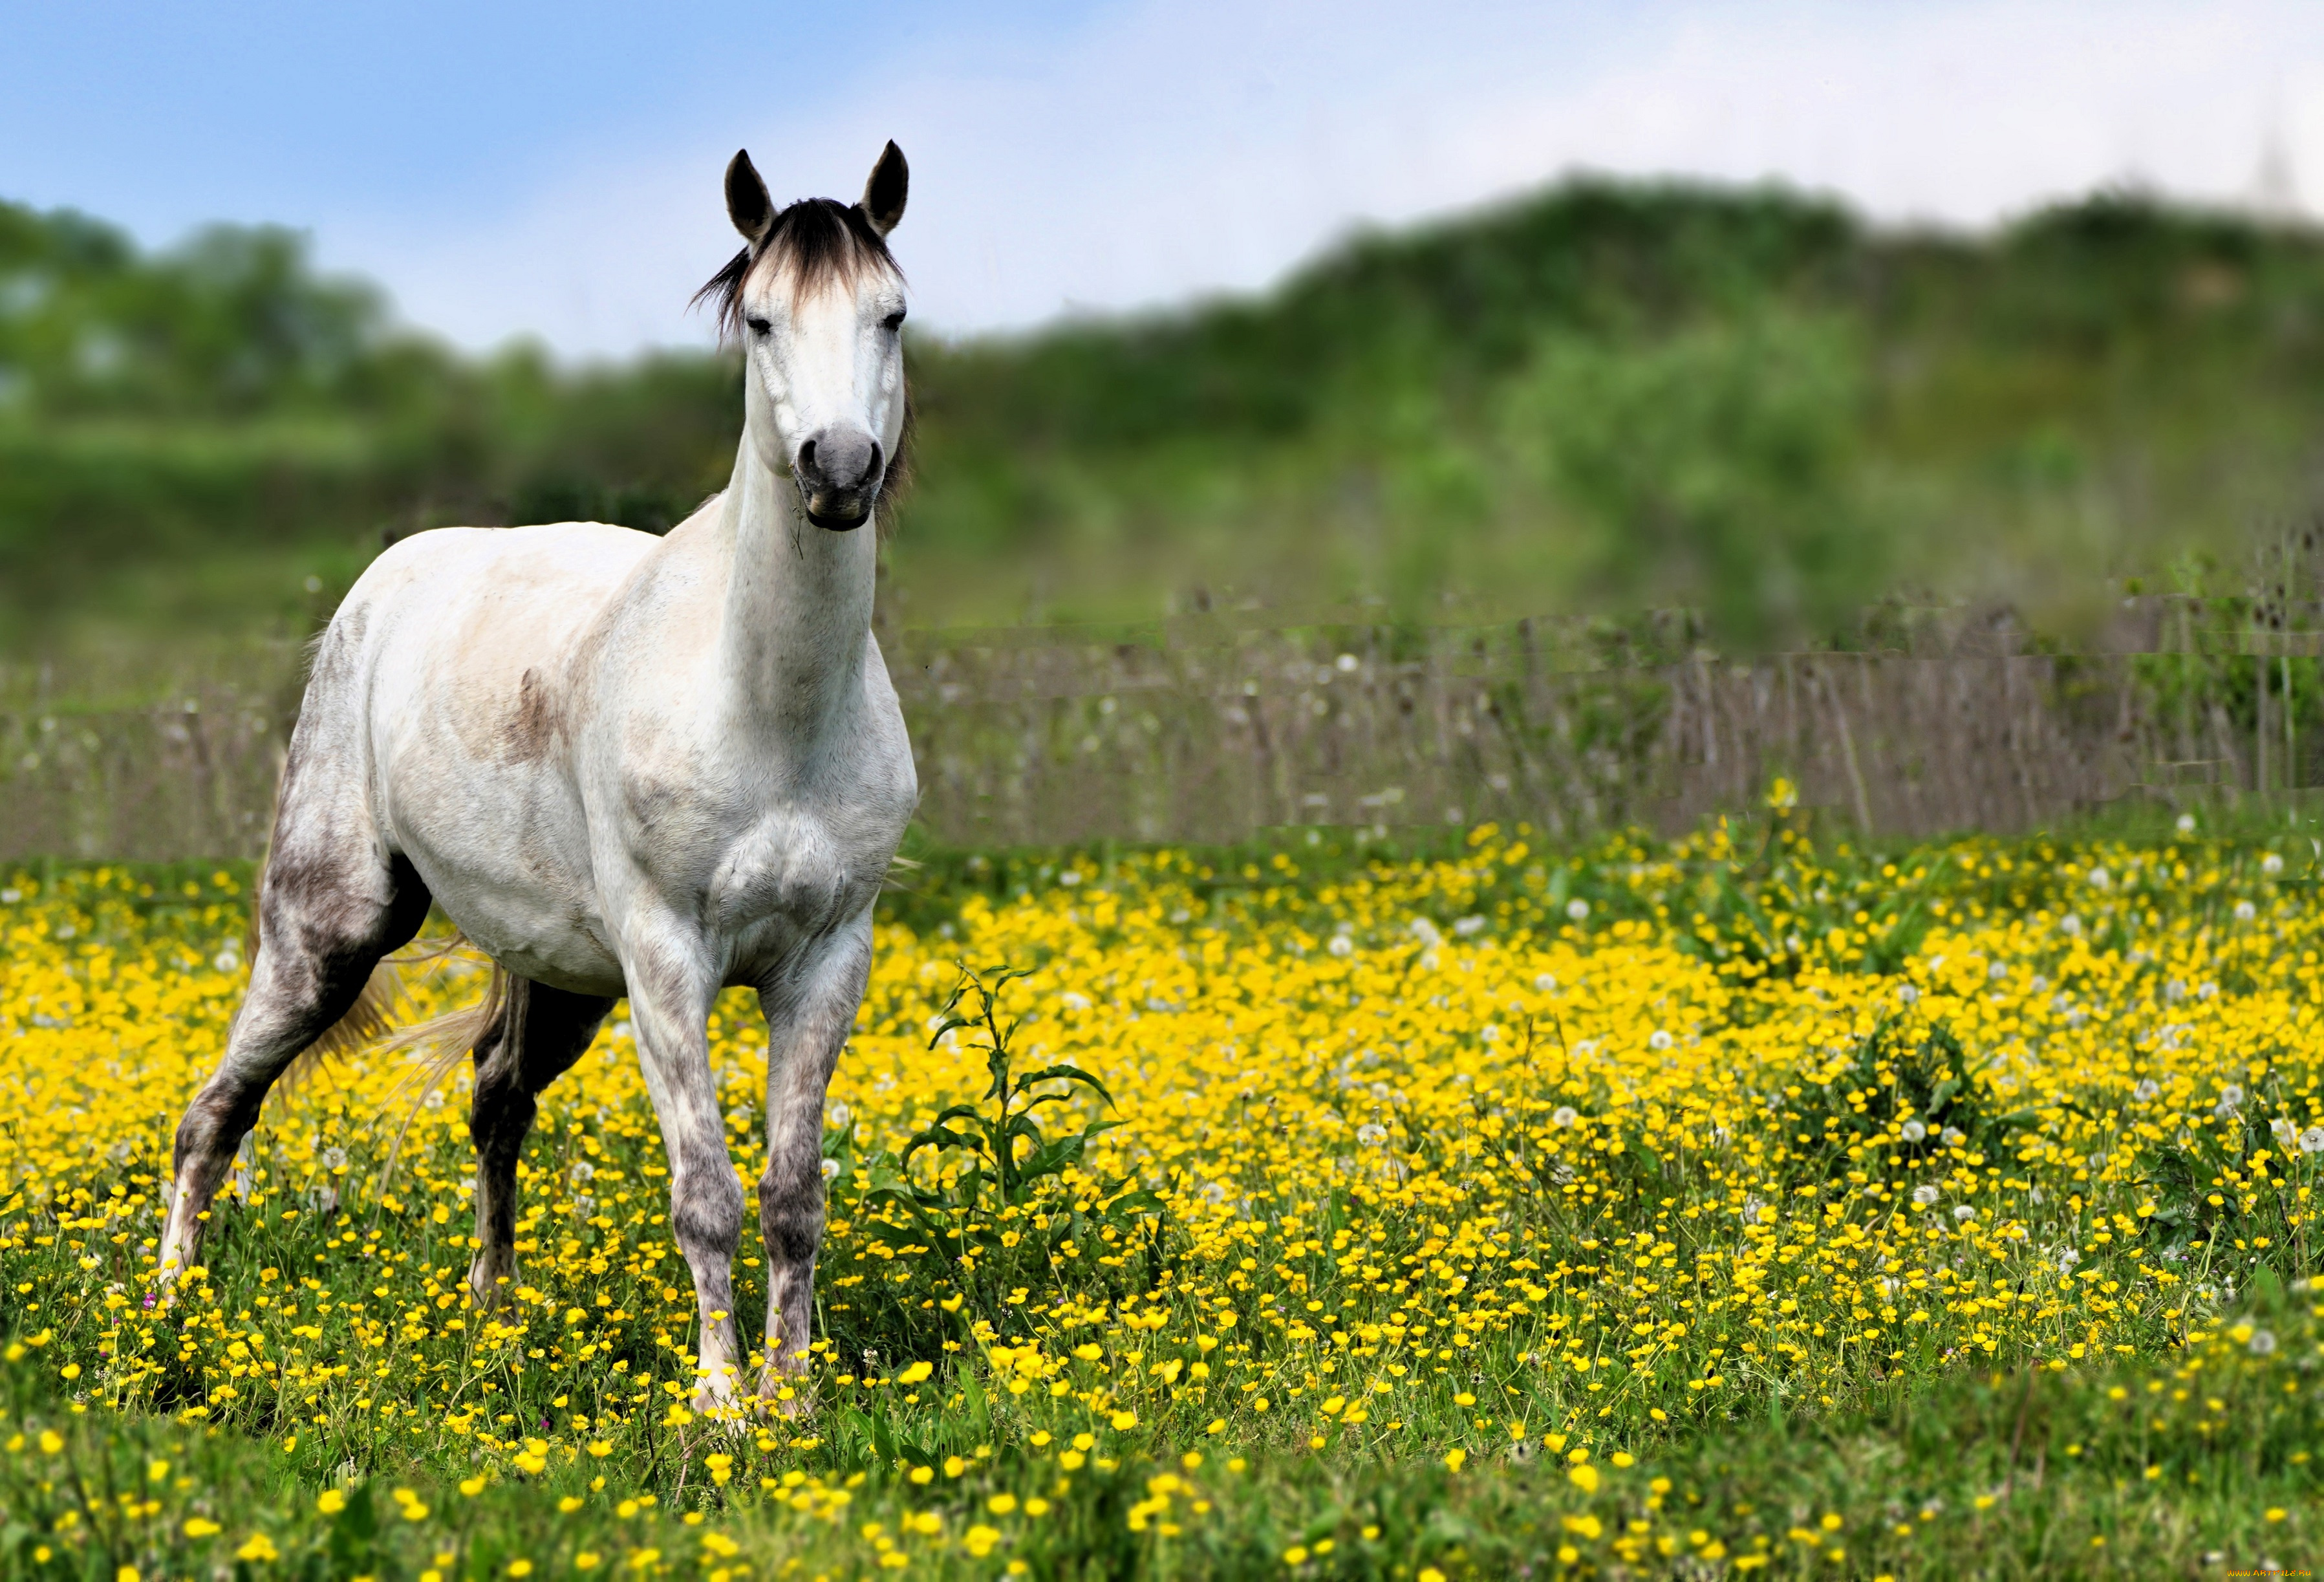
[(1206, 732)]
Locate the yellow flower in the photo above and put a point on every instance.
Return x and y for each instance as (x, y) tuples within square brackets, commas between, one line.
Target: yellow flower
[(199, 1527), (331, 1501), (257, 1549), (1549, 1017)]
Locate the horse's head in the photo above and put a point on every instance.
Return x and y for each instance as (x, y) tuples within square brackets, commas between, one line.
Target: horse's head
[(818, 304)]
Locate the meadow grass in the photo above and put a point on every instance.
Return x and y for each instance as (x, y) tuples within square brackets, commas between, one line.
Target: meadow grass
[(1751, 1201)]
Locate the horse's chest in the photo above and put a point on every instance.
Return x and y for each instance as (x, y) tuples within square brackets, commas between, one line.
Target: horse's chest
[(791, 874)]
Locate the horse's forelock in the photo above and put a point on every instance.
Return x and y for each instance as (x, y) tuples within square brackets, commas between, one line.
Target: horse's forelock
[(815, 243)]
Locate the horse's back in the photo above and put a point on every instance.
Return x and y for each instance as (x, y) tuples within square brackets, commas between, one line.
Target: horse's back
[(454, 617), (563, 571)]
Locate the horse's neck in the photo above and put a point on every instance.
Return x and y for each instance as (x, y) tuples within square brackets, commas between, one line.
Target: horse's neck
[(797, 608)]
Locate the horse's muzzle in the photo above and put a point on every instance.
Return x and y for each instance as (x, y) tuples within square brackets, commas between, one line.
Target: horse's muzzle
[(839, 471)]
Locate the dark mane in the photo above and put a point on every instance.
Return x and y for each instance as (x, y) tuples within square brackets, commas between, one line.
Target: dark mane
[(817, 241)]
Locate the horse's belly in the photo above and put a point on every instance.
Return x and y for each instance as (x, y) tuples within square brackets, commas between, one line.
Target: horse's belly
[(557, 945), (527, 899)]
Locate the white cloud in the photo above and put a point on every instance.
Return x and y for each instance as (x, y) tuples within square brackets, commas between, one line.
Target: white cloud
[(1170, 149)]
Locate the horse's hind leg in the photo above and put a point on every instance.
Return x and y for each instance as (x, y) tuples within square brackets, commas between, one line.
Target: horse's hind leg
[(539, 1033), (328, 910)]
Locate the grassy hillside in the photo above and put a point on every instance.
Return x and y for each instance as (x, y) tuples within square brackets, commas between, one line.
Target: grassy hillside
[(1603, 395), (1744, 400)]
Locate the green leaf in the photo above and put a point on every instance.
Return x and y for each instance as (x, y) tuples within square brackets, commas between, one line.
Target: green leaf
[(1068, 1074), (1050, 1160)]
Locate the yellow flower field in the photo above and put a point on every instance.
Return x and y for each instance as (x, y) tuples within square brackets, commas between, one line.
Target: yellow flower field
[(1507, 1158)]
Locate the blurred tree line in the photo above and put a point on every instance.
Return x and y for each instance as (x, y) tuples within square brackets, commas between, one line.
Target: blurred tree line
[(1602, 396), (190, 435)]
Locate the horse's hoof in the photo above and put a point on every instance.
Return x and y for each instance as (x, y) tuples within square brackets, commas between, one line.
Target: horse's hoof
[(726, 1413), (489, 1293), (787, 1395)]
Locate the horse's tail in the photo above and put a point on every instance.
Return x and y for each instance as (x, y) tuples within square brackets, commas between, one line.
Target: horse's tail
[(441, 1043)]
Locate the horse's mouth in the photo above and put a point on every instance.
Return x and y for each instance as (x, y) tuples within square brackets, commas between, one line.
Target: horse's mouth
[(846, 520)]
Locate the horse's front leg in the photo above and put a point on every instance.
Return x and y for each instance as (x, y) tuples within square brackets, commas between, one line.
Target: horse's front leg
[(671, 985), (809, 1015)]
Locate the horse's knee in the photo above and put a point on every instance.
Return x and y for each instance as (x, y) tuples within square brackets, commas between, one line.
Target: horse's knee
[(706, 1211), (500, 1112), (790, 1213), (214, 1124)]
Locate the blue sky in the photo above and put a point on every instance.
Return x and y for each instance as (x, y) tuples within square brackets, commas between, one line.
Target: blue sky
[(422, 108), (553, 171)]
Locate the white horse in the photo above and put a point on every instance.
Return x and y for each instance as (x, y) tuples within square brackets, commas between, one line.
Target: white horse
[(623, 765)]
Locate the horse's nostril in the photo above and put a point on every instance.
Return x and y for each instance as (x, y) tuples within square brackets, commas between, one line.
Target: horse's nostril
[(873, 471), (806, 457)]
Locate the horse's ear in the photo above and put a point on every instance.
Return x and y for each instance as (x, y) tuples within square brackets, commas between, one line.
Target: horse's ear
[(747, 203), (884, 193)]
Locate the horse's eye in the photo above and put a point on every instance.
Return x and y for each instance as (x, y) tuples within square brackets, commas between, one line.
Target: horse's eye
[(758, 325), (894, 320)]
